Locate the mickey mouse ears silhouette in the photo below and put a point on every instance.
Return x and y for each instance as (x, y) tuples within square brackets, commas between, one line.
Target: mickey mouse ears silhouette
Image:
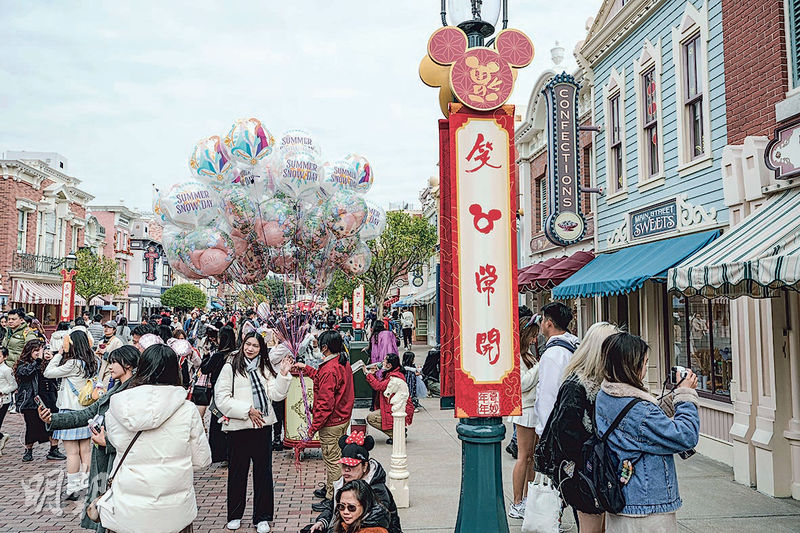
[(480, 78)]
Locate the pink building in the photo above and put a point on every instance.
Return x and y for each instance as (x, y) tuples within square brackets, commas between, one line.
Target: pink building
[(117, 222)]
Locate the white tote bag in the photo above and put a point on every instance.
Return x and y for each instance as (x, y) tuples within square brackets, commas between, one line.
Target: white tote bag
[(543, 507)]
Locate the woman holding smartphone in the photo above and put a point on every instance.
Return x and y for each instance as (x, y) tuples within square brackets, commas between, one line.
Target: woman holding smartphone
[(28, 371)]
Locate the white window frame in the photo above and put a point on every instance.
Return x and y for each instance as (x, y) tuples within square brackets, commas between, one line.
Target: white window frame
[(22, 247), (649, 59), (693, 22), (615, 88)]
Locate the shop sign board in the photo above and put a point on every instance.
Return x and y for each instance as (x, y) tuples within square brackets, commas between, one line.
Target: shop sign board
[(483, 199), (565, 224), (653, 220), (782, 154), (358, 307)]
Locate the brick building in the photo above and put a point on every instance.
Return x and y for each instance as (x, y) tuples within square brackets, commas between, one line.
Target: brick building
[(43, 211)]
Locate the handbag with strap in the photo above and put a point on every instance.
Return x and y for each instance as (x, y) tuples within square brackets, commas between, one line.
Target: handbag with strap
[(92, 510), (213, 404)]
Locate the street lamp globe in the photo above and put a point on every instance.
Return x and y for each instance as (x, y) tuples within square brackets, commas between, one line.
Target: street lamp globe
[(475, 15), (70, 261)]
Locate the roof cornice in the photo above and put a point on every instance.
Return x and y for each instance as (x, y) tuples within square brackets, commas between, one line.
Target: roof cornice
[(602, 38)]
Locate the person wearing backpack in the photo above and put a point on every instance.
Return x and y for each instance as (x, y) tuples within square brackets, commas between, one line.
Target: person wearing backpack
[(646, 438), (558, 350), (74, 366), (571, 424)]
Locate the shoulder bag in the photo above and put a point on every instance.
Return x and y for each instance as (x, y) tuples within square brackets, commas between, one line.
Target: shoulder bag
[(91, 510)]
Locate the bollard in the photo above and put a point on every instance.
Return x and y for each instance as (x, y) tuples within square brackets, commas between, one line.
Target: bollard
[(397, 391)]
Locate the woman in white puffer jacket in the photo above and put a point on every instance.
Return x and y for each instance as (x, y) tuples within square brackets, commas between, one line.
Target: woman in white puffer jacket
[(154, 488)]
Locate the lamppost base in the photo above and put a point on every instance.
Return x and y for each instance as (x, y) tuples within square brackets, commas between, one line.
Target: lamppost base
[(481, 506)]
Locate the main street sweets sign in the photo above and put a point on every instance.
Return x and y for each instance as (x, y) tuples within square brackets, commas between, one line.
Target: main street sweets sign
[(483, 200), (565, 224), (653, 220)]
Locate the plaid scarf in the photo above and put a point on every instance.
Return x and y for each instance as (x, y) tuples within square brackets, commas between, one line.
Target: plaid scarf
[(260, 400)]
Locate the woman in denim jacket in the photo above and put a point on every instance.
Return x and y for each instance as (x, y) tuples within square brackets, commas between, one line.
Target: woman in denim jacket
[(648, 436)]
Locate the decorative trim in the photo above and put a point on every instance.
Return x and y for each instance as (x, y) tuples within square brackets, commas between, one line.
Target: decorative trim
[(617, 197), (23, 204), (687, 169), (691, 218), (605, 34)]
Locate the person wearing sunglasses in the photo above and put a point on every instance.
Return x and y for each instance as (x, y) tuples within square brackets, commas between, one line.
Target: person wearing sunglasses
[(356, 464), (358, 510)]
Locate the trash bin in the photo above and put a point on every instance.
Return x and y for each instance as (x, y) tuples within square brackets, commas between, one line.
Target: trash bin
[(363, 392)]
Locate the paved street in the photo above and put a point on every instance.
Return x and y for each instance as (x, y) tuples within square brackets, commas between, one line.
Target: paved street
[(712, 501)]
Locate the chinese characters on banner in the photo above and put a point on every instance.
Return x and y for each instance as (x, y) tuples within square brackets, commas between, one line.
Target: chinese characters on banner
[(483, 202), (67, 295), (345, 306), (358, 307)]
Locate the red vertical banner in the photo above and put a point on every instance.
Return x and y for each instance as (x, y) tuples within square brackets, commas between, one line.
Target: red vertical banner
[(358, 307), (447, 320), (482, 195), (67, 295)]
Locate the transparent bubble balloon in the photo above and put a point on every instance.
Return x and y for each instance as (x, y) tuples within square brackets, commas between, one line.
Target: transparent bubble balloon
[(190, 205), (297, 140), (299, 175), (375, 222), (345, 213), (364, 175), (359, 262), (249, 142), (210, 160)]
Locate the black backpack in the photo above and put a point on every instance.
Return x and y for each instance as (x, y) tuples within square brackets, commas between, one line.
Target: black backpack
[(595, 487)]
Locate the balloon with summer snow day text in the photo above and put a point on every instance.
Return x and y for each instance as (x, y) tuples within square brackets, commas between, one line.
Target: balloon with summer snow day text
[(364, 175), (299, 175), (375, 223), (340, 175), (345, 213), (189, 205), (297, 140)]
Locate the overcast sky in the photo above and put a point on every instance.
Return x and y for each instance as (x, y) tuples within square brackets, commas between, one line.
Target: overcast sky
[(123, 89)]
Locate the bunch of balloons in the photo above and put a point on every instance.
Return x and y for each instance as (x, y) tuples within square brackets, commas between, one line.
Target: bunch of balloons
[(255, 206)]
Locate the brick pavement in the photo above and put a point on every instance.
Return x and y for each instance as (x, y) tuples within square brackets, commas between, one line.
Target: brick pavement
[(27, 501)]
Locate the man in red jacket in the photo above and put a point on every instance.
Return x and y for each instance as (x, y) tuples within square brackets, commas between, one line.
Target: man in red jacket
[(333, 404)]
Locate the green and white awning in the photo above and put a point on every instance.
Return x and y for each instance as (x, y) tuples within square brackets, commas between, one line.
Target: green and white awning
[(757, 258)]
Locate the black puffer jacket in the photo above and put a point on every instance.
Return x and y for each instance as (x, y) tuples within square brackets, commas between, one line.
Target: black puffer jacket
[(569, 426), (377, 480)]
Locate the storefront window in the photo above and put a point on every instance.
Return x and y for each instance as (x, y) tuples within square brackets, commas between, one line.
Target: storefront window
[(701, 340)]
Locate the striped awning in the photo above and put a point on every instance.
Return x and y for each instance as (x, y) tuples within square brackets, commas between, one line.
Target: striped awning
[(422, 298), (551, 272), (33, 292), (757, 258)]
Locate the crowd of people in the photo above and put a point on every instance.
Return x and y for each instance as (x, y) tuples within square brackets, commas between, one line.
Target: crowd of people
[(129, 405), (585, 402)]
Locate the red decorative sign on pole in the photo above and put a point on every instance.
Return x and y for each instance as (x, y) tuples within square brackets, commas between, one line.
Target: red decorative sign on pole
[(345, 306), (358, 307), (67, 295), (482, 193)]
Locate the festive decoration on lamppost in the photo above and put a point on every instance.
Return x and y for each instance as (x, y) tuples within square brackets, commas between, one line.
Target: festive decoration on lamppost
[(478, 203)]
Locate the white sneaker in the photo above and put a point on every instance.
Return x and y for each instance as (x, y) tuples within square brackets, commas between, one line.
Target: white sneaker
[(84, 480), (516, 510), (233, 525), (262, 527)]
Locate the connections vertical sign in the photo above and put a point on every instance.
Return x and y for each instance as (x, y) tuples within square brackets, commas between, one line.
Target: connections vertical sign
[(565, 223)]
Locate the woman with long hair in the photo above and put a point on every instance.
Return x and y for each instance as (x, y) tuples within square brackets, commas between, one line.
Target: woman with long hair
[(245, 390), (73, 366), (163, 435), (571, 422), (28, 372), (123, 331), (211, 367), (647, 437), (122, 362), (358, 510), (382, 419), (526, 422)]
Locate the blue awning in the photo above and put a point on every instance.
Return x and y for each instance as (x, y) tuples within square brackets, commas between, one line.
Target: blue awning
[(109, 307), (401, 302), (626, 270), (215, 305)]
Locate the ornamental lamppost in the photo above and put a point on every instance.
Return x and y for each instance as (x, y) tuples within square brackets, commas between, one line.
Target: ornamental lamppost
[(68, 273), (473, 65)]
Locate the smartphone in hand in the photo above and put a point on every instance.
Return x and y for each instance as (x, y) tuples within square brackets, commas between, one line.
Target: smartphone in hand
[(38, 401)]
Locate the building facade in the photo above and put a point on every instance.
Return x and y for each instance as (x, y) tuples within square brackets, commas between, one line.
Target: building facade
[(44, 213), (116, 221), (658, 75), (149, 272)]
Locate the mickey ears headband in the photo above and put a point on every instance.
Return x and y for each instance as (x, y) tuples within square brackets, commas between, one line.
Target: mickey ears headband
[(535, 319)]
